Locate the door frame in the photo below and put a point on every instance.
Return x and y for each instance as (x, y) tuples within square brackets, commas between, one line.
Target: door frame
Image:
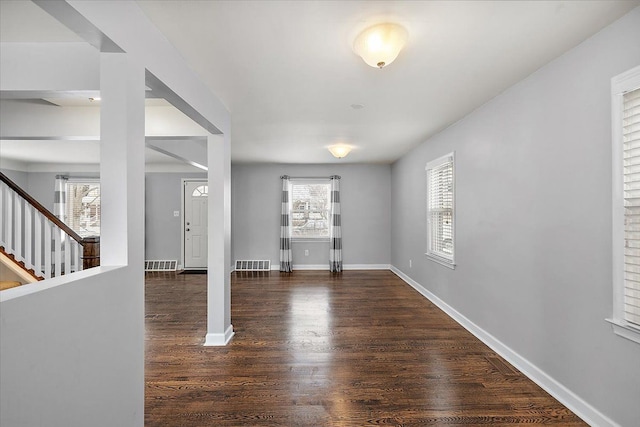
[(183, 183)]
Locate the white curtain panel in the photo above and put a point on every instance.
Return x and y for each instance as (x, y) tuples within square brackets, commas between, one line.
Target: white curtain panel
[(285, 227), (335, 228)]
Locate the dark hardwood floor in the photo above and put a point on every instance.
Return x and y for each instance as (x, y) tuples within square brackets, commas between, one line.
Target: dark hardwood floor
[(315, 349)]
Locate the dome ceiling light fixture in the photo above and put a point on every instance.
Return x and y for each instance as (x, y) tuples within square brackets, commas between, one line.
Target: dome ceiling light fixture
[(380, 44), (340, 150)]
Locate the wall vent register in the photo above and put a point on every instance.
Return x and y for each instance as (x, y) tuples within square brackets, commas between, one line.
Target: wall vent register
[(253, 265), (160, 265)]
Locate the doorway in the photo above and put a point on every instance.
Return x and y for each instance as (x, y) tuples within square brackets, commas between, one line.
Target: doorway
[(195, 210)]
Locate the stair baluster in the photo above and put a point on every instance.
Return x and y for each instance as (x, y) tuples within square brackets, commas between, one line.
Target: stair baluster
[(35, 237)]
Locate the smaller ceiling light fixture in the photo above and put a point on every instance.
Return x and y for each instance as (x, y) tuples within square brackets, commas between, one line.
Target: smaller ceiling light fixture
[(339, 150), (380, 45)]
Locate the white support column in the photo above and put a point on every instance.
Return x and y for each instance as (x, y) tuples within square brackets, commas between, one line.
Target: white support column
[(122, 118), (219, 328), (122, 89)]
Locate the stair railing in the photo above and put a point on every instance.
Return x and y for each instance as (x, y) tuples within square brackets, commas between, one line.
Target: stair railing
[(35, 236)]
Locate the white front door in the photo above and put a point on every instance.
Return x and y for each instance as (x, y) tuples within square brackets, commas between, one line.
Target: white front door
[(195, 224)]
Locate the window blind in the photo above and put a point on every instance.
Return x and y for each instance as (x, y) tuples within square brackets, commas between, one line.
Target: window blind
[(631, 149), (440, 208), (83, 208), (310, 210)]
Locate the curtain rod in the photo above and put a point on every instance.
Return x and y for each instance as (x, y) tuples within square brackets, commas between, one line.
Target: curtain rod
[(310, 177), (72, 177)]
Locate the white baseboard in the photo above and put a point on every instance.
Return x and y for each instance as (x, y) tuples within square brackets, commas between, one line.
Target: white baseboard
[(321, 267), (366, 267), (311, 267), (219, 340), (565, 396)]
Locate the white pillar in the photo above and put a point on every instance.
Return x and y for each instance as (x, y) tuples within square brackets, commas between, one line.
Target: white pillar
[(122, 89), (219, 328)]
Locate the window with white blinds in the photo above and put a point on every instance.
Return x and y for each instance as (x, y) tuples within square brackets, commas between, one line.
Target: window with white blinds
[(310, 205), (83, 207), (440, 210), (625, 129), (631, 149)]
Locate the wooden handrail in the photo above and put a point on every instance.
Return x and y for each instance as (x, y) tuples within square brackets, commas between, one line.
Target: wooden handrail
[(44, 211)]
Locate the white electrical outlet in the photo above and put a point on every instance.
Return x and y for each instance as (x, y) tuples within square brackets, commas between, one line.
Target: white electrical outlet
[(176, 213), (409, 263), (306, 252)]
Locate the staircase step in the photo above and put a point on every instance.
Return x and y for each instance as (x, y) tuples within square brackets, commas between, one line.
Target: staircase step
[(8, 284)]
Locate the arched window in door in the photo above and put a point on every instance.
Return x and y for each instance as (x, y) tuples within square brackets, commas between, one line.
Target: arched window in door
[(201, 191)]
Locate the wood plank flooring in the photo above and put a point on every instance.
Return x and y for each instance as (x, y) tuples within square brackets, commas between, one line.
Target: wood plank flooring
[(316, 349)]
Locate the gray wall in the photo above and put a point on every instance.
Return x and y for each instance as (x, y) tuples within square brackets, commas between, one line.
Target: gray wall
[(162, 229), (255, 213), (20, 178), (41, 185), (533, 238)]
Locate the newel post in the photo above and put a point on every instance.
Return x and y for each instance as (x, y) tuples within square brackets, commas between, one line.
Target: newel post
[(90, 252)]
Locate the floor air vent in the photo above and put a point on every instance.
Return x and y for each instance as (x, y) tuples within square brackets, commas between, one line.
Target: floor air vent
[(253, 265), (160, 265)]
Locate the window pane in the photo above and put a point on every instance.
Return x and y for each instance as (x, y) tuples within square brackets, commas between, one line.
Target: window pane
[(631, 195), (440, 201), (310, 210), (83, 208), (201, 191)]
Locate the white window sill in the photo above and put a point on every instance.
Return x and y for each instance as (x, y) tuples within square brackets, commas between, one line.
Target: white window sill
[(441, 261), (311, 240), (623, 329)]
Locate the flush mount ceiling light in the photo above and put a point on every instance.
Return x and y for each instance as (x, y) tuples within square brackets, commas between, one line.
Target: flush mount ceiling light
[(380, 45), (339, 150)]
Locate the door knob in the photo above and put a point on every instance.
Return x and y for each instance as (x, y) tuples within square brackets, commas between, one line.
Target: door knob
[(188, 229)]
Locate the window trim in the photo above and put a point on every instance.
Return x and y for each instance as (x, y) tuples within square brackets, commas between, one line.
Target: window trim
[(450, 263), (81, 180), (620, 84), (309, 181)]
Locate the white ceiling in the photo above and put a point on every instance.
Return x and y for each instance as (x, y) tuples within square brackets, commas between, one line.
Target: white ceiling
[(288, 75)]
